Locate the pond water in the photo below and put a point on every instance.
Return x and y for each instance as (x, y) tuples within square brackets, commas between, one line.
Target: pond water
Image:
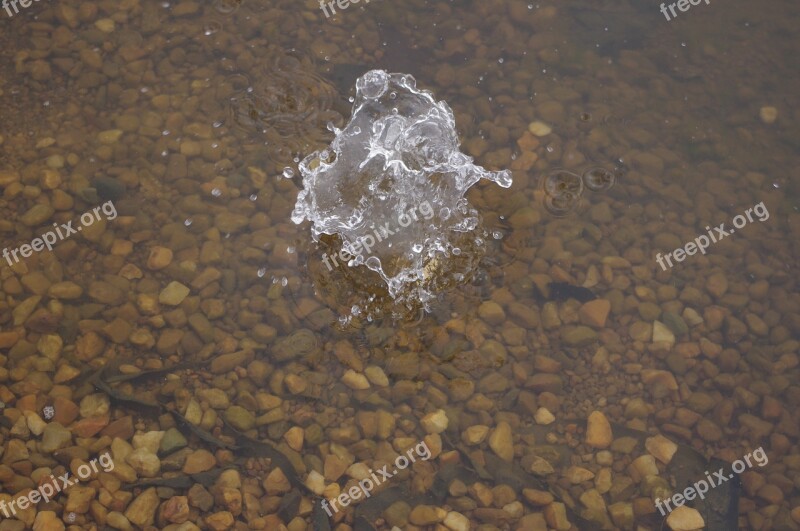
[(610, 342)]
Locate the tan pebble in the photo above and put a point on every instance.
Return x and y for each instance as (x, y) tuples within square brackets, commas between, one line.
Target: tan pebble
[(294, 438), (556, 516), (376, 376), (295, 384), (106, 25), (661, 448), (475, 434), (130, 272), (159, 258), (537, 497), (355, 380), (315, 482), (492, 313), (543, 416), (594, 313), (796, 514), (48, 521), (691, 317), (110, 136), (577, 474), (501, 441), (717, 284), (768, 115), (685, 519), (662, 333), (173, 294), (142, 509), (645, 465), (435, 422), (456, 521), (423, 515), (539, 128), (598, 431)]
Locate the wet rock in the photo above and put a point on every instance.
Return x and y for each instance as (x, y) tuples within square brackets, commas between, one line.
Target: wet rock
[(277, 483), (240, 418), (577, 474), (598, 431), (492, 313), (175, 510), (661, 448), (199, 461), (685, 519), (426, 515), (106, 293), (37, 215), (435, 422), (501, 441), (539, 128), (355, 380), (142, 509), (717, 284), (455, 521), (55, 436), (173, 294), (578, 336), (144, 462), (556, 516), (47, 521), (594, 313), (79, 498), (543, 416), (474, 435), (661, 333)]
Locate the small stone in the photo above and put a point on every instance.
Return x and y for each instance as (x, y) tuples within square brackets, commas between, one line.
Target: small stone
[(685, 518), (79, 498), (661, 448), (109, 137), (577, 474), (501, 441), (474, 435), (294, 438), (768, 115), (47, 521), (376, 376), (539, 128), (355, 380), (435, 422), (578, 336), (172, 440), (456, 521), (426, 515), (277, 483), (173, 294), (144, 462), (199, 461), (598, 431), (159, 258), (65, 290), (717, 284), (55, 436), (543, 416), (492, 313), (240, 418), (661, 333), (142, 509), (106, 25), (37, 215), (556, 516), (594, 313)]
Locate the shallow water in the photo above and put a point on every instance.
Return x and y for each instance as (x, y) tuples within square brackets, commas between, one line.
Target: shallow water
[(188, 333)]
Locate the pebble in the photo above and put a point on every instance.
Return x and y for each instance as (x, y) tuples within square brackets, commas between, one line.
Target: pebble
[(173, 294), (662, 333), (475, 435), (543, 416), (427, 515), (501, 441), (661, 448), (159, 258), (578, 336), (435, 422), (768, 114), (455, 521), (538, 128), (142, 509), (685, 518), (598, 431), (199, 461), (594, 313), (355, 380)]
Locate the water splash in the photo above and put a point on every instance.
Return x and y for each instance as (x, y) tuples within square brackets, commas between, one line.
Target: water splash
[(398, 157)]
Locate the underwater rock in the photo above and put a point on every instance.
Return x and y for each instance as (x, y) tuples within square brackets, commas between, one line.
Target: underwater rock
[(387, 196)]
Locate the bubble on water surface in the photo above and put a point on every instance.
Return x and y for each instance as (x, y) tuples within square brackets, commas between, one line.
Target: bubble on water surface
[(598, 179)]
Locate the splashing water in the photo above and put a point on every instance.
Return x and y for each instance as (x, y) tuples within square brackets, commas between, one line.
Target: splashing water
[(396, 159)]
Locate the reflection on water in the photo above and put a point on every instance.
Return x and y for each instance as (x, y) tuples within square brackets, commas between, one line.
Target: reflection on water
[(571, 384)]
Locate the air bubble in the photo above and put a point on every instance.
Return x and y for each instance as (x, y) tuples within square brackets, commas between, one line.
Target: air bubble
[(261, 272), (216, 192), (598, 179), (288, 173), (560, 182), (253, 197), (560, 206), (187, 222), (211, 27)]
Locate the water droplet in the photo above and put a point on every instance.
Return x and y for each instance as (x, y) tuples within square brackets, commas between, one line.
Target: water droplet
[(253, 197), (456, 251), (261, 272), (165, 132), (500, 60), (417, 247), (356, 130), (217, 124), (290, 250), (284, 282), (497, 235), (392, 95), (187, 222), (216, 192), (288, 173)]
